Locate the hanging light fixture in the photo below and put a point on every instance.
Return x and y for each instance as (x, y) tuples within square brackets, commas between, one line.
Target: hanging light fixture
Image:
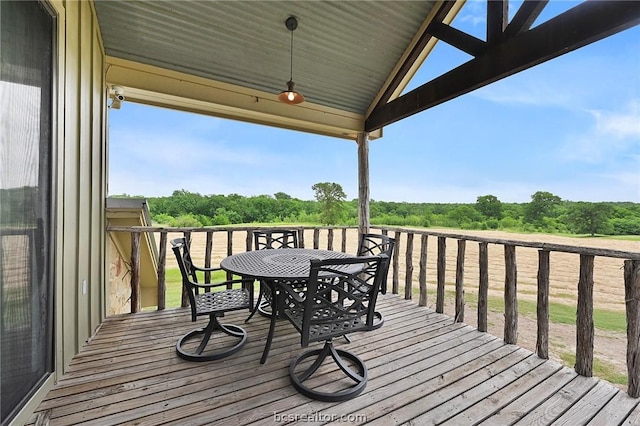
[(290, 96)]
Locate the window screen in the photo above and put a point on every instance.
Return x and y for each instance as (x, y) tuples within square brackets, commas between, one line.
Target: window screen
[(26, 321)]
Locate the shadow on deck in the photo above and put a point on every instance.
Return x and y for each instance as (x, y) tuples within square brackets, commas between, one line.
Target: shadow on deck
[(423, 369)]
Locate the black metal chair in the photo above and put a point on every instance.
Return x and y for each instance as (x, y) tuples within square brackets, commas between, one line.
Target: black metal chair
[(213, 300), (373, 245), (267, 240), (340, 299)]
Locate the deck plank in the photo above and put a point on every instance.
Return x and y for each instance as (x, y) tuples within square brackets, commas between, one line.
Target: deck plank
[(423, 368)]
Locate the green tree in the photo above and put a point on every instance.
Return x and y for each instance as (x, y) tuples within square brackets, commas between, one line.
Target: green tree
[(281, 196), (542, 205), (590, 218), (489, 206), (463, 216), (330, 195)]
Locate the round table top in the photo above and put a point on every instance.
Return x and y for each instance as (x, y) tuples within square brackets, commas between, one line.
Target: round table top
[(283, 264)]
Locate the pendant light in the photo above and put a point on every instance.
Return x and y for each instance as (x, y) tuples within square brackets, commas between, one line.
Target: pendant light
[(290, 96)]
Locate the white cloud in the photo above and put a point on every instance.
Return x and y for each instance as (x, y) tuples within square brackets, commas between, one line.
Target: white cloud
[(621, 125), (613, 135)]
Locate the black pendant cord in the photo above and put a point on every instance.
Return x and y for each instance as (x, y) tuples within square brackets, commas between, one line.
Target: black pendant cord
[(291, 62)]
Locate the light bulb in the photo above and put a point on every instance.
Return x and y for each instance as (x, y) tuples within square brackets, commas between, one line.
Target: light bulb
[(291, 96)]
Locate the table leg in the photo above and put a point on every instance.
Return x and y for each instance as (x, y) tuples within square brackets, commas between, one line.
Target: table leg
[(272, 325)]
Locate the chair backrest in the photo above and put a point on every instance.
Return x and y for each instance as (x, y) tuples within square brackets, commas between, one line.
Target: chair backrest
[(275, 239), (341, 298), (183, 257), (376, 244)]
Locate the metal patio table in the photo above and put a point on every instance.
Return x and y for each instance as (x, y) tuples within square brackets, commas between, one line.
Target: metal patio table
[(276, 266)]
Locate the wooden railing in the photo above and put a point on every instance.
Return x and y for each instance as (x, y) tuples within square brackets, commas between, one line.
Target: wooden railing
[(323, 237)]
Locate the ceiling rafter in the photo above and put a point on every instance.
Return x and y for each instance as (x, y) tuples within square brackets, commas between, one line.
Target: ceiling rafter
[(415, 53), (525, 17), (515, 49)]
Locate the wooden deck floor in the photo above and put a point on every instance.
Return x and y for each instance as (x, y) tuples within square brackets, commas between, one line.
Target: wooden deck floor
[(423, 369)]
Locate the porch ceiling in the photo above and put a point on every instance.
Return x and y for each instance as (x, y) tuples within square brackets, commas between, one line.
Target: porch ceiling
[(351, 59), (345, 55)]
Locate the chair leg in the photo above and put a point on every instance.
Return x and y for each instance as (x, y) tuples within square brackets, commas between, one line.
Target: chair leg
[(378, 320), (360, 377), (206, 332)]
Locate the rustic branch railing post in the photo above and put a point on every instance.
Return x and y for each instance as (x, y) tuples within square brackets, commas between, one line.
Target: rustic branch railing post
[(632, 305), (135, 272), (316, 238), (208, 249), (442, 267), (396, 263), (422, 277), (510, 295), (162, 263), (460, 281), (343, 246), (542, 309), (301, 238), (330, 239), (248, 241), (229, 253), (409, 267), (584, 318), (483, 285)]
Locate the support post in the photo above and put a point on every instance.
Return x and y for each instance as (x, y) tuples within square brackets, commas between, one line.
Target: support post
[(363, 182)]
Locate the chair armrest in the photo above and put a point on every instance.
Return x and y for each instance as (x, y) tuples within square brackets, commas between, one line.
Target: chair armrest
[(290, 291), (197, 268), (206, 286)]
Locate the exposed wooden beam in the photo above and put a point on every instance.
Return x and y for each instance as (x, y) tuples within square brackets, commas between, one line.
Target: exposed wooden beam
[(525, 17), (415, 53), (497, 19), (456, 38), (584, 24)]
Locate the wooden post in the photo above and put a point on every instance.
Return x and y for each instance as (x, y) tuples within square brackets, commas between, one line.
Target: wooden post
[(483, 285), (510, 295), (363, 182), (460, 281), (396, 263), (632, 299), (135, 272), (584, 318), (442, 267), (408, 259), (343, 246), (162, 262), (229, 253), (208, 248), (330, 239), (301, 238), (316, 238), (248, 241), (542, 309), (422, 278)]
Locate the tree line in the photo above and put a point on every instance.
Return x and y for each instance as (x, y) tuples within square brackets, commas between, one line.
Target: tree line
[(545, 212)]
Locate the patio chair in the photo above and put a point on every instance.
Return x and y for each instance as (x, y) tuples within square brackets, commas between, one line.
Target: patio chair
[(340, 299), (213, 300), (373, 245), (267, 240)]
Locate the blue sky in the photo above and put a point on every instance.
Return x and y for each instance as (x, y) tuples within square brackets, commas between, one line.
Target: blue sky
[(570, 126)]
